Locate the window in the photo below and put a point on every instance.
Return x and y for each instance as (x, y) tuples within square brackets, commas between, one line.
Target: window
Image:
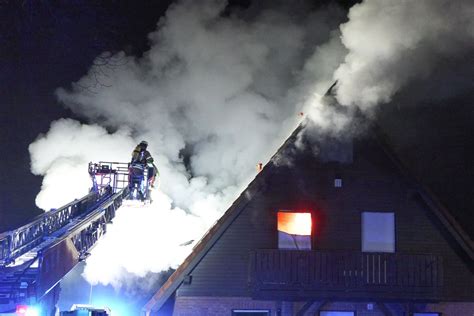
[(294, 230), (250, 312), (378, 232), (336, 313)]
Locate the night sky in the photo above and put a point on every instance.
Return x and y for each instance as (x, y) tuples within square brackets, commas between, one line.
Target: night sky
[(48, 44), (45, 45)]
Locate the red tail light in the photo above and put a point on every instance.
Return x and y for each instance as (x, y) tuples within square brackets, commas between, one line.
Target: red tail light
[(21, 310)]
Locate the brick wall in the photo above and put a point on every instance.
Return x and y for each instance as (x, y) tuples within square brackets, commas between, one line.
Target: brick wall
[(222, 306), (448, 309), (217, 306)]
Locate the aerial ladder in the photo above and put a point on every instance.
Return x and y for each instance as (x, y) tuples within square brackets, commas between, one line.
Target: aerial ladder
[(35, 257)]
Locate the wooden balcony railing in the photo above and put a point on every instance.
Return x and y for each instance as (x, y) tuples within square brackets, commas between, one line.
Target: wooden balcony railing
[(276, 270)]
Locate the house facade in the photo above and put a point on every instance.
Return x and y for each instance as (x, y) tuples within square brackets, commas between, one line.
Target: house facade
[(329, 227)]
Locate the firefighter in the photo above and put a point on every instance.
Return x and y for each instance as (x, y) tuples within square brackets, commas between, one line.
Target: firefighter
[(142, 156)]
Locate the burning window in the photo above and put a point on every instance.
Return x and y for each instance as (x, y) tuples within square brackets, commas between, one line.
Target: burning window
[(294, 230)]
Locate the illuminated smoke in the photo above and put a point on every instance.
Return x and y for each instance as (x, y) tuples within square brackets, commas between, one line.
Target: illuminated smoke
[(391, 43), (211, 97), (216, 94), (143, 239), (63, 154)]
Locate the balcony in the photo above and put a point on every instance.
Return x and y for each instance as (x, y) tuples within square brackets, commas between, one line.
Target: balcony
[(291, 274)]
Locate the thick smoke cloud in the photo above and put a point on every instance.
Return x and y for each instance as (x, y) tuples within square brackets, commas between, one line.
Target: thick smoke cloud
[(391, 43), (211, 96), (218, 93), (142, 240), (63, 154)]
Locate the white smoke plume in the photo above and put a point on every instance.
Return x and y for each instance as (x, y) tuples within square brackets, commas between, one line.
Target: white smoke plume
[(63, 154), (216, 94), (143, 239), (211, 97), (390, 43)]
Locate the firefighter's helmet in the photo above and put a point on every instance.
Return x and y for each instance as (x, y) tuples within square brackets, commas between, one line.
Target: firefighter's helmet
[(143, 144)]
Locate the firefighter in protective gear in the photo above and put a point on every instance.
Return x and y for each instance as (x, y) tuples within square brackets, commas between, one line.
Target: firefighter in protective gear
[(142, 156)]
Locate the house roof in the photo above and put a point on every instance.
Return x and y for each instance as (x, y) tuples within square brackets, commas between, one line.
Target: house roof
[(430, 200), (216, 231), (259, 183)]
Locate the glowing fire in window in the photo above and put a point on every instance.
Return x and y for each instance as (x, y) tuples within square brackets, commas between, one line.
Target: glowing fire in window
[(294, 223), (294, 230)]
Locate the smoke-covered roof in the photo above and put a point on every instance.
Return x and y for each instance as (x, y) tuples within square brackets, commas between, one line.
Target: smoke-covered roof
[(290, 147)]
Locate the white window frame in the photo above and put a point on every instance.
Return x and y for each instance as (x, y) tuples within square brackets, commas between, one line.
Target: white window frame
[(248, 311), (366, 244), (328, 313)]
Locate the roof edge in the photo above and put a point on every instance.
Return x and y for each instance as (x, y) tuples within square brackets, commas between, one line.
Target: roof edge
[(258, 184), (216, 231), (441, 212)]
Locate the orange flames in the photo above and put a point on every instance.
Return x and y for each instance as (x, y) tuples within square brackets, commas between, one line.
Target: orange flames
[(294, 223)]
